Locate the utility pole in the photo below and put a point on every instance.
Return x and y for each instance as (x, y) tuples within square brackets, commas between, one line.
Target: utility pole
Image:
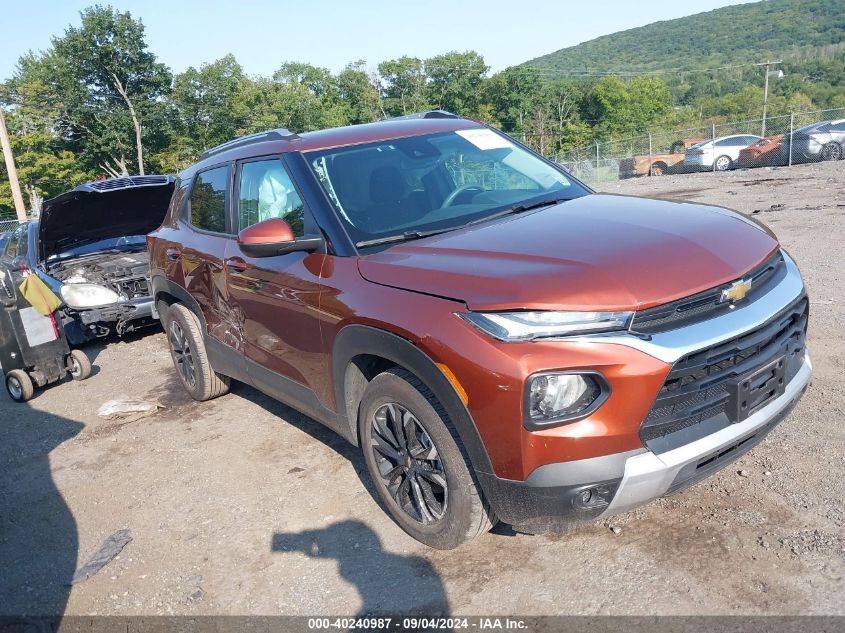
[(10, 169), (779, 74)]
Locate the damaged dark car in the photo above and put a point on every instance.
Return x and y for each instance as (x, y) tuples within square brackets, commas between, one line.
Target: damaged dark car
[(89, 245)]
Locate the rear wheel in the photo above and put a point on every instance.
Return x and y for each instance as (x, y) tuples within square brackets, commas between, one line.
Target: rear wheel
[(832, 151), (723, 163), (19, 385), (79, 366), (187, 348), (658, 169), (418, 464)]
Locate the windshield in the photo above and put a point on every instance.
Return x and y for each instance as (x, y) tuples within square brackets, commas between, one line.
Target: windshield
[(433, 182), (126, 243)]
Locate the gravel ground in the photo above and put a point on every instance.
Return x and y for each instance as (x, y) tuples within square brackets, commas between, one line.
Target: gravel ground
[(243, 506)]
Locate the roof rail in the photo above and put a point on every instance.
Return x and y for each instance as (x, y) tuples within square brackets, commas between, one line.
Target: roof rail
[(429, 114), (269, 135)]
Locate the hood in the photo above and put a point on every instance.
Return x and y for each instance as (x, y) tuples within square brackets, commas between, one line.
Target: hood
[(103, 209), (597, 252)]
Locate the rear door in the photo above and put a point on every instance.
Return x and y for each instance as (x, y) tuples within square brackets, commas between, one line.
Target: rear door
[(203, 250), (276, 298)]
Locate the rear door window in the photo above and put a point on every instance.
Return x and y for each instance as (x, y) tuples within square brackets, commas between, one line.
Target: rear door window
[(210, 200)]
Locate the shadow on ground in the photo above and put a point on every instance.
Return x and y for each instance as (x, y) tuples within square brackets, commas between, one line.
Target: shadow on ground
[(38, 535), (386, 582)]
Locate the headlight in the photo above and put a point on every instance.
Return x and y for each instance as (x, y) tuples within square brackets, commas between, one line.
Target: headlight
[(525, 326), (87, 295), (556, 398)]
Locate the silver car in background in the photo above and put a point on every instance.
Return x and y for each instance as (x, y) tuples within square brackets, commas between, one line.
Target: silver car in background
[(721, 153), (816, 142)]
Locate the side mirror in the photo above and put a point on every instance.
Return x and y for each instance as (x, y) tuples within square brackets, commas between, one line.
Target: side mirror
[(275, 237)]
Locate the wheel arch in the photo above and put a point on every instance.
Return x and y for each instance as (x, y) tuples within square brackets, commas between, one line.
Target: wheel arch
[(166, 292), (361, 352)]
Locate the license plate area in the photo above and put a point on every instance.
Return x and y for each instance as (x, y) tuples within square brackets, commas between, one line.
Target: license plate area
[(756, 389)]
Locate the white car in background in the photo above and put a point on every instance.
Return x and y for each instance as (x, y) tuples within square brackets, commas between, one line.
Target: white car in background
[(723, 151)]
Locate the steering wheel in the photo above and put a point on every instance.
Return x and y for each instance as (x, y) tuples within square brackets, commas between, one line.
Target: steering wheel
[(450, 199)]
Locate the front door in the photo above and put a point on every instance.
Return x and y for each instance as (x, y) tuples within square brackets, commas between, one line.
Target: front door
[(276, 297)]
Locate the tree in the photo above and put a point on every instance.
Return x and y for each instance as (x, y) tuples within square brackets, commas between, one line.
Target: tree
[(455, 82), (209, 107), (45, 168), (105, 64), (360, 94), (405, 85), (617, 108)]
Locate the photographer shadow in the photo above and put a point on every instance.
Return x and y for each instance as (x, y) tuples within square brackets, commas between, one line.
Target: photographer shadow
[(38, 534), (387, 583)]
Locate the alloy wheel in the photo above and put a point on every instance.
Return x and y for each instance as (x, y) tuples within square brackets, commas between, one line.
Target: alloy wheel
[(408, 463), (182, 354), (832, 151), (75, 367), (723, 163)]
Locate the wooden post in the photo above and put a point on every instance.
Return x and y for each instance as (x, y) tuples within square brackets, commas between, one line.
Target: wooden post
[(10, 169)]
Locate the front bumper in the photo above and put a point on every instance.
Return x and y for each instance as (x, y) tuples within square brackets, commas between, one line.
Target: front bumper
[(86, 324), (550, 499), (648, 476)]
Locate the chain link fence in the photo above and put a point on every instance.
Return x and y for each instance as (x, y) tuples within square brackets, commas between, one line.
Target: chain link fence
[(8, 225), (798, 137)]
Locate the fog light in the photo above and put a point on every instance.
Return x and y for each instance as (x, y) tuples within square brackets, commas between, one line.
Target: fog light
[(594, 497), (553, 398)]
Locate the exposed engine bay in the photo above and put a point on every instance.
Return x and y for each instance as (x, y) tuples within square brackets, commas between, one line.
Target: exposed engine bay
[(124, 272)]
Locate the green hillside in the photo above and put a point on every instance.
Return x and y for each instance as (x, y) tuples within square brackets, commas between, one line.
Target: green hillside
[(730, 35)]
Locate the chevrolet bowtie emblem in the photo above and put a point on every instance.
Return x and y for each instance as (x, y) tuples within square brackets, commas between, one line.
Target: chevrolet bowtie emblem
[(736, 291)]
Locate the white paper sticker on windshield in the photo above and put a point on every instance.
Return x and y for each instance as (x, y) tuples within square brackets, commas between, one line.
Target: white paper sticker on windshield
[(485, 139)]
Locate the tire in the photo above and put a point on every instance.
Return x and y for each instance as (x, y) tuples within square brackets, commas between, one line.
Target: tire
[(832, 151), (658, 169), (19, 385), (79, 367), (723, 163), (452, 515), (190, 359)]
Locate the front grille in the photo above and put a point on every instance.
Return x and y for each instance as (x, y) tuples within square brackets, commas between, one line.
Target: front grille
[(708, 304), (712, 388)]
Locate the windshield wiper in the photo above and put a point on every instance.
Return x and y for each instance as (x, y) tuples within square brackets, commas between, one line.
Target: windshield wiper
[(415, 235), (519, 208), (401, 237)]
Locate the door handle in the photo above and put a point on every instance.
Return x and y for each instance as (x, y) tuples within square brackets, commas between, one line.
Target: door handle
[(172, 254), (236, 264)]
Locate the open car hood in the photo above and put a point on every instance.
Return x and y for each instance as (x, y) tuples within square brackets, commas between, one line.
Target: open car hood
[(103, 209)]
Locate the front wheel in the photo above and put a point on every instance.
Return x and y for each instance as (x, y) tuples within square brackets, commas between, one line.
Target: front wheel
[(723, 163), (832, 151), (418, 463)]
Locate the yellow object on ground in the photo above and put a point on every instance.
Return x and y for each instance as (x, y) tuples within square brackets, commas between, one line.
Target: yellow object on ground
[(39, 295)]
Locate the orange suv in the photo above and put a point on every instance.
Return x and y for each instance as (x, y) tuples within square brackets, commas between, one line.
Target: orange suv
[(500, 341)]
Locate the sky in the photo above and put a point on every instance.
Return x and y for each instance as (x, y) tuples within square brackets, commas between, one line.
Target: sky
[(331, 33)]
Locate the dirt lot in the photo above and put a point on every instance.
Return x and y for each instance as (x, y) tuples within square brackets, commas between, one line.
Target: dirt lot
[(243, 506)]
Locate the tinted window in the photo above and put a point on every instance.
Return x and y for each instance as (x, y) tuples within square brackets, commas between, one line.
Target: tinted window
[(266, 191), (208, 200), (838, 127)]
